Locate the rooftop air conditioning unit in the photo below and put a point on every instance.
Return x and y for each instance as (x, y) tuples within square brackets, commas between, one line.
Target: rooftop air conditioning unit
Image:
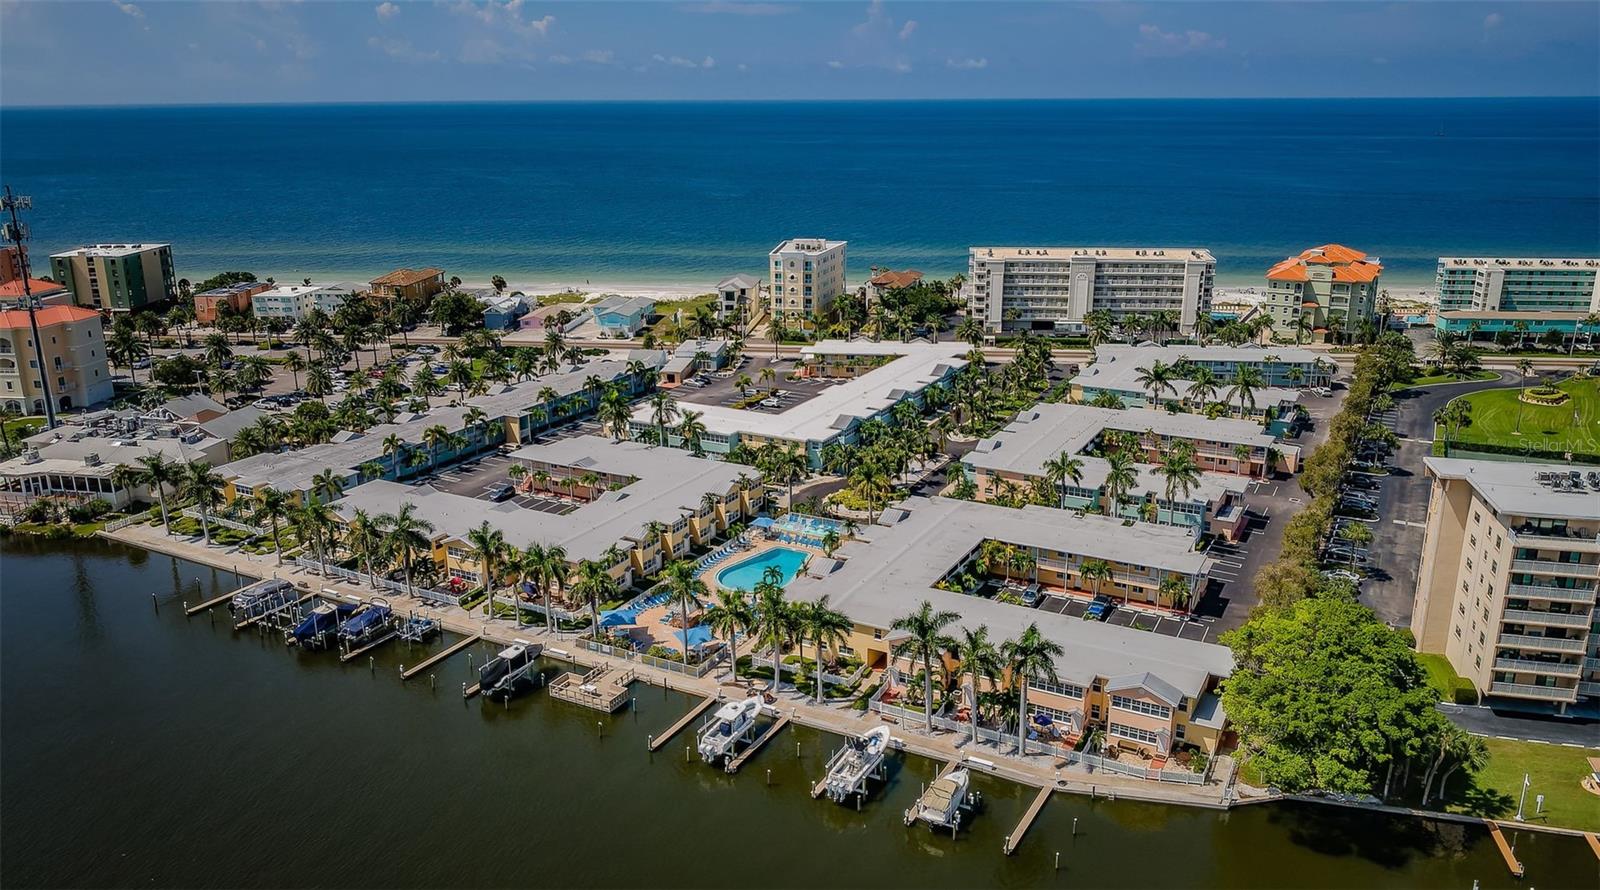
[(92, 459)]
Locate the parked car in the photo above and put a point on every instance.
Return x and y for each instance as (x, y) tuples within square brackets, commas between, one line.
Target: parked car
[(1100, 608), (1324, 391), (141, 364), (1344, 575), (500, 491), (770, 403)]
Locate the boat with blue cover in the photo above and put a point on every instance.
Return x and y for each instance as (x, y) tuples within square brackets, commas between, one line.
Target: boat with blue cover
[(319, 626), (369, 623)]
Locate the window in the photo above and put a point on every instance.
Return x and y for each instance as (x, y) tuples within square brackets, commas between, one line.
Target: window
[(1134, 733), (1070, 690), (1138, 706)]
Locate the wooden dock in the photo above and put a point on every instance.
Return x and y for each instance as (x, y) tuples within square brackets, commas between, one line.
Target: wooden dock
[(751, 749), (210, 603), (1594, 843), (439, 656), (1505, 849), (602, 688), (656, 742), (356, 653), (1014, 839), (265, 615), (470, 691)]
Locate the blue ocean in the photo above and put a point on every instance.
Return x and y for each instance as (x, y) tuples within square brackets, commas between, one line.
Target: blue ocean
[(687, 192)]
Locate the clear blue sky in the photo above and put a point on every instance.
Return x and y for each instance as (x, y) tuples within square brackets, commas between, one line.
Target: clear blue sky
[(112, 52)]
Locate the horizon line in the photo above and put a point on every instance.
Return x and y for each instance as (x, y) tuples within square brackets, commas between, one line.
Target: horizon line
[(776, 101)]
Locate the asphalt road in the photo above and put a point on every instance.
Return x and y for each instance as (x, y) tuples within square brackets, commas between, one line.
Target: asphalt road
[(1536, 727)]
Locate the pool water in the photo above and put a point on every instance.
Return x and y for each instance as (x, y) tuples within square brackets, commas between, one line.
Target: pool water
[(745, 575)]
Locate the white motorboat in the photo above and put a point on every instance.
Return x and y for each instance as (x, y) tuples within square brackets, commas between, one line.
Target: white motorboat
[(500, 676), (941, 803), (857, 761), (731, 723)]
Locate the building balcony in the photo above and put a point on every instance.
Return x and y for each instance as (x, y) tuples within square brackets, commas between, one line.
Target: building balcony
[(1548, 539), (1549, 567), (1589, 688), (1546, 644), (1557, 594), (1542, 693), (1549, 619), (1529, 666)]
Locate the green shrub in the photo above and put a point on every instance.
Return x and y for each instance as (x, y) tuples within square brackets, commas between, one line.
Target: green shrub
[(1464, 693)]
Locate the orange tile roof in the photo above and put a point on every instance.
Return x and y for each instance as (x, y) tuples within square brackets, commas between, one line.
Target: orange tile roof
[(891, 279), (1331, 254), (49, 315), (1348, 264), (1289, 270), (406, 277), (13, 289)]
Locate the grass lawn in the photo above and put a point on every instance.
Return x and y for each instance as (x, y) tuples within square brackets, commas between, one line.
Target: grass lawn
[(1441, 676), (1568, 427), (663, 325), (19, 427), (1553, 770), (1433, 379), (567, 297)]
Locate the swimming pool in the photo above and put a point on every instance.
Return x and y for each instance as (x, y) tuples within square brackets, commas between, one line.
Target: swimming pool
[(745, 575)]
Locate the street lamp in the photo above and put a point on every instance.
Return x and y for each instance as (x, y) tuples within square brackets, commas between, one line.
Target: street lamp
[(1522, 798), (16, 233)]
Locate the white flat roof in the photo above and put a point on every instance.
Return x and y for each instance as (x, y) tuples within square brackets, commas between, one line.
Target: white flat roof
[(806, 245), (1168, 254), (892, 571), (1514, 488), (110, 250), (1149, 352), (833, 408), (1460, 262)]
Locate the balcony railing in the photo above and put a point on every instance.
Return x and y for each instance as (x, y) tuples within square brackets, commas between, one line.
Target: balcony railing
[(1525, 690), (1549, 644), (1542, 592), (1589, 688), (1548, 567), (1553, 619), (1528, 666)]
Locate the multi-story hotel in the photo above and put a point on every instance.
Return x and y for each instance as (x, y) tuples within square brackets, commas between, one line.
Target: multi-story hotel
[(1227, 452), (293, 301), (640, 506), (208, 304), (1321, 283), (1487, 295), (1149, 692), (1506, 592), (117, 277), (1013, 289), (74, 359), (807, 273)]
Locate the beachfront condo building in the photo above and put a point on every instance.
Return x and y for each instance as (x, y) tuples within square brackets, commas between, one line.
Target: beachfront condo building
[(295, 301), (1506, 592), (1331, 283), (1149, 692), (1012, 466), (74, 359), (1482, 296), (807, 273), (411, 284), (880, 376), (630, 506), (117, 277), (738, 298), (1052, 289), (208, 303)]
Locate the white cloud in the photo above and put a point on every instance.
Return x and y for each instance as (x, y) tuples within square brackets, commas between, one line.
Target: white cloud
[(387, 10), (1493, 20), (743, 67), (722, 7), (1155, 42), (599, 56), (560, 59), (907, 29), (507, 14), (401, 49), (968, 64), (681, 62), (128, 9), (900, 66), (835, 64), (877, 19)]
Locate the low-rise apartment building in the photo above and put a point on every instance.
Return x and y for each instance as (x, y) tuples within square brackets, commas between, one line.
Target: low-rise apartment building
[(1117, 370), (74, 359), (117, 277), (622, 317), (295, 301), (1321, 283), (1052, 289), (1506, 591), (738, 298), (208, 303), (885, 280), (1148, 691), (806, 274), (1228, 452), (640, 506)]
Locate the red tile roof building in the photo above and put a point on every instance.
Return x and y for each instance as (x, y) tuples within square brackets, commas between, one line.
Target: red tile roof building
[(1328, 283), (74, 357)]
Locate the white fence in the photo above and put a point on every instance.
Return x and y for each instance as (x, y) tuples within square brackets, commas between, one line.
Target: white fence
[(827, 678), (699, 669), (332, 571), (214, 519), (126, 521)]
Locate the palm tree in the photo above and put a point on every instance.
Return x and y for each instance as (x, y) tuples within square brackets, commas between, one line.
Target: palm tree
[(1176, 590), (327, 485), (776, 623), (123, 477), (663, 411), (690, 430), (1356, 534), (205, 488), (1181, 473), (826, 627), (595, 584), (364, 539), (1096, 571), (435, 437), (681, 582), (314, 521), (1453, 416), (1202, 387), (487, 547), (925, 640), (1121, 476), (1243, 385), (1059, 470), (1030, 657), (730, 616), (1155, 380), (1524, 368), (407, 533), (158, 473), (272, 507), (978, 659), (615, 412), (830, 542)]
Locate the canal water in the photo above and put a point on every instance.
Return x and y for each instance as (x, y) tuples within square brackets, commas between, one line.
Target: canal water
[(138, 747)]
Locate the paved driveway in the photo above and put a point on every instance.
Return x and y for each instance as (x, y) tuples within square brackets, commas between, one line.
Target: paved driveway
[(1539, 728)]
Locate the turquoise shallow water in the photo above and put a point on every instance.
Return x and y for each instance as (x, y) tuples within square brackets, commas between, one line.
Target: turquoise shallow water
[(745, 575), (688, 192)]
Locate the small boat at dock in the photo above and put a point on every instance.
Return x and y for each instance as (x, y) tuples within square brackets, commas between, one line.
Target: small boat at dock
[(370, 623), (319, 627), (417, 629), (941, 804), (261, 598), (856, 762), (720, 736), (512, 667)]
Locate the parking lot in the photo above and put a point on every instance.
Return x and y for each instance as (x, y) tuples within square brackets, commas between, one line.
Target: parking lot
[(1190, 628), (475, 478), (720, 389)]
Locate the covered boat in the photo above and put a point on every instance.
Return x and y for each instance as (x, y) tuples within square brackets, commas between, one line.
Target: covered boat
[(369, 622), (941, 803), (512, 667), (319, 625)]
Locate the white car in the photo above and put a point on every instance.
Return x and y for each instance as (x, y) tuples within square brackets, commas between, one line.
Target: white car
[(770, 403), (1343, 575)]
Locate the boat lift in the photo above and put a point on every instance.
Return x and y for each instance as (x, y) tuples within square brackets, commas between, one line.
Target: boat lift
[(851, 766), (369, 627)]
